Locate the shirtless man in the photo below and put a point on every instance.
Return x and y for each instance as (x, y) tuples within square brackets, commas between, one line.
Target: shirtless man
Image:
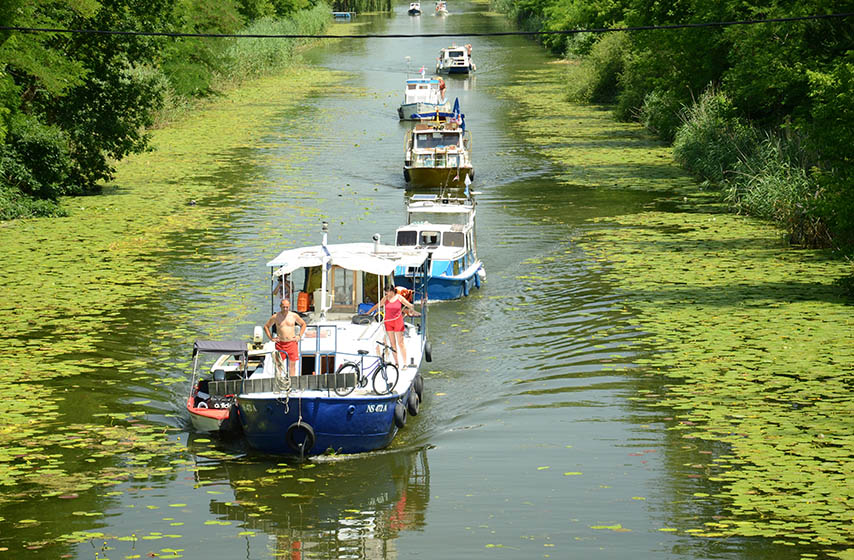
[(287, 343)]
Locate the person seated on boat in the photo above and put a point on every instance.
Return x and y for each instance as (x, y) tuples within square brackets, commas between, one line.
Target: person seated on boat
[(286, 338), (394, 304)]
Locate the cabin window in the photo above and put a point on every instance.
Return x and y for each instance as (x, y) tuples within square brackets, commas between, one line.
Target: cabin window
[(429, 238), (456, 54), (411, 86), (407, 238), (457, 267), (453, 239), (437, 140)]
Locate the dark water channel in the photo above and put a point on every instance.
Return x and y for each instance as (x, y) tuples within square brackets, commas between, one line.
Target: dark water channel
[(527, 446)]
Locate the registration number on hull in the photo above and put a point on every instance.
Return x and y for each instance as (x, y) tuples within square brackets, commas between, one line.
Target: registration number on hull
[(377, 408)]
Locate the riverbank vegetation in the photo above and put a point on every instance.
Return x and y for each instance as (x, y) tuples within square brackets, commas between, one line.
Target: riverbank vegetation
[(71, 105), (760, 113), (748, 341)]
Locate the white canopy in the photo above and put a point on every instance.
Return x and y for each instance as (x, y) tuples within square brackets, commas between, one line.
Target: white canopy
[(367, 257)]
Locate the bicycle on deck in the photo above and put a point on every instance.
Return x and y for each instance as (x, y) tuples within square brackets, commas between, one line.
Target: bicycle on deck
[(384, 374)]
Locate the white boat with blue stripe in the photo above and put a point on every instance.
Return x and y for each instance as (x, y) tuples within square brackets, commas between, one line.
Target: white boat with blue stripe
[(423, 96), (344, 397), (444, 226)]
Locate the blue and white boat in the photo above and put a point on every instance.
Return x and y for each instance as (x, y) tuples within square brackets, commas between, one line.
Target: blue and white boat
[(423, 95), (304, 413), (444, 226)]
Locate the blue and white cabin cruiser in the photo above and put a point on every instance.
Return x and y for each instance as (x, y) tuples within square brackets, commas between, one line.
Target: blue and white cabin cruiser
[(423, 96), (415, 8), (445, 226), (455, 60), (322, 407)]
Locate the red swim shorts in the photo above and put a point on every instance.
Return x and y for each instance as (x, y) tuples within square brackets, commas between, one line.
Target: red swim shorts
[(289, 349), (395, 325)]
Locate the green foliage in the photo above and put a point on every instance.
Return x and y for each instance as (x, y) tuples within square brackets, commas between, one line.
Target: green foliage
[(31, 141), (578, 14), (660, 114), (713, 138), (190, 64), (595, 79)]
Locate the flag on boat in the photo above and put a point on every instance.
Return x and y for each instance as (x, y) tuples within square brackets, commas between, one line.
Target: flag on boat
[(467, 182), (422, 71), (458, 117)]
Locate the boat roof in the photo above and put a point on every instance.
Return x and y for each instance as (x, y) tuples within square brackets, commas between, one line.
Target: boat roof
[(220, 347), (422, 80), (366, 257), (433, 204)]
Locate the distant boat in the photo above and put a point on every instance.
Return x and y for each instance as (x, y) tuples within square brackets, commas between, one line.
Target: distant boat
[(441, 8), (445, 226), (455, 60), (415, 8), (438, 153), (423, 95)]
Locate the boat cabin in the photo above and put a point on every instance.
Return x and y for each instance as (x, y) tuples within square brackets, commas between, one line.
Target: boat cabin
[(424, 90)]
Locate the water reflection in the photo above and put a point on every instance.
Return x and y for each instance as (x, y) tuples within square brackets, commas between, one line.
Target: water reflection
[(352, 507)]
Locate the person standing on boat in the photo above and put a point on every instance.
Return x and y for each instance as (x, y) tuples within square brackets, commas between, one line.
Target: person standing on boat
[(286, 339), (394, 304), (282, 290)]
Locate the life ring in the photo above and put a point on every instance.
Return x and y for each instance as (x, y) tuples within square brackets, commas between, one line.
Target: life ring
[(412, 404), (399, 415), (441, 84), (418, 385), (307, 442)]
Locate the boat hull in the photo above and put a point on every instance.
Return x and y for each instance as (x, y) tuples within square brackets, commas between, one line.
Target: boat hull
[(206, 419), (437, 176), (444, 288), (353, 424)]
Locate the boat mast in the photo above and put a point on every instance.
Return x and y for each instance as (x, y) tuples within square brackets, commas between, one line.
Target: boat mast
[(324, 270)]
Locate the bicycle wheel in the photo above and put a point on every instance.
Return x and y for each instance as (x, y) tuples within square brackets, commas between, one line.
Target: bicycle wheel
[(345, 368), (385, 379)]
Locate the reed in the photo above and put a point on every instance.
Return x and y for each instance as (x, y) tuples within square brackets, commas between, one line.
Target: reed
[(361, 6), (248, 58)]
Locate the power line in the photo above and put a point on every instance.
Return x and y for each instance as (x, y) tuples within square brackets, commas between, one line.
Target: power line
[(416, 35)]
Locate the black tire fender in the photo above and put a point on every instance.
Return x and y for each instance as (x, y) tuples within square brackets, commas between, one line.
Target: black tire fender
[(418, 385), (291, 436), (412, 404), (428, 351), (399, 415)]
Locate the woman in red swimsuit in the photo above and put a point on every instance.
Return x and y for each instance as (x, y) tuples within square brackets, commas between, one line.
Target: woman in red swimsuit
[(394, 304)]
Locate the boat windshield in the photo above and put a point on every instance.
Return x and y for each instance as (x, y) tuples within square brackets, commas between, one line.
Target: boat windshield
[(431, 140), (457, 54), (453, 239), (438, 218)]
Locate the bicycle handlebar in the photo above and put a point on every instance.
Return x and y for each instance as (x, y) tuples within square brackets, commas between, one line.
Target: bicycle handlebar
[(387, 346)]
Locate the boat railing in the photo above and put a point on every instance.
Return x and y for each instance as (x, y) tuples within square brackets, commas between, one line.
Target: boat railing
[(321, 382)]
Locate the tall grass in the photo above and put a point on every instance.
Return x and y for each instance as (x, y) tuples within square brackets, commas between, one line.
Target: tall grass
[(247, 58), (759, 173), (713, 139), (361, 6)]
